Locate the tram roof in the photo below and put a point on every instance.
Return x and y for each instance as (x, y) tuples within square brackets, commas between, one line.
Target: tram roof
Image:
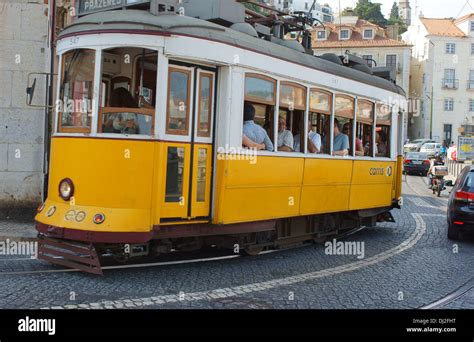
[(135, 20)]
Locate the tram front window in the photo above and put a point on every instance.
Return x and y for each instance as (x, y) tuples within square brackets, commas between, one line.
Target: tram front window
[(128, 91), (76, 91)]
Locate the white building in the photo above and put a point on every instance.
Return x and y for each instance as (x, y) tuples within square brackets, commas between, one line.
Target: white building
[(24, 49), (369, 41), (442, 76), (322, 12)]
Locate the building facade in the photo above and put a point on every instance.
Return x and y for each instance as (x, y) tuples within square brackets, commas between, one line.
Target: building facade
[(24, 42), (322, 12), (443, 77), (369, 41)]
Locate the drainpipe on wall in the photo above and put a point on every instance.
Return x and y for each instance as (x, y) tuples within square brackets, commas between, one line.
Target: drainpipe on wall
[(431, 114), (49, 95)]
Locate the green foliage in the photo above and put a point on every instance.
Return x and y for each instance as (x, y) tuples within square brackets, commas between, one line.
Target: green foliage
[(371, 12), (395, 19), (394, 12), (254, 7)]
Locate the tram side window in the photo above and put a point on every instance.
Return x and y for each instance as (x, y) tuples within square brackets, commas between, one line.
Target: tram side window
[(259, 108), (320, 108), (128, 91), (76, 91), (291, 117), (343, 123), (383, 130), (365, 122)]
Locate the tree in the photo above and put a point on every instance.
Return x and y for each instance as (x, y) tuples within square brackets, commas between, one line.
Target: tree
[(371, 12), (394, 12), (396, 20)]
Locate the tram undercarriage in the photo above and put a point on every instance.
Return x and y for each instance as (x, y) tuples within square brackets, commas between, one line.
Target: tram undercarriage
[(277, 234)]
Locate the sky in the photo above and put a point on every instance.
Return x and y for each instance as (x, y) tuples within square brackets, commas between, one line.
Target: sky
[(430, 8)]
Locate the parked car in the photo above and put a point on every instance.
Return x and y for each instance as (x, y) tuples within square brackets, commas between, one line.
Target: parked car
[(416, 163), (461, 204), (416, 145), (431, 149)]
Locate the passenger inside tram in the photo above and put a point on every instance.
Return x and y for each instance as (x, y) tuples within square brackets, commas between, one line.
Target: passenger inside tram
[(255, 134), (382, 148), (314, 139), (359, 148), (341, 141), (285, 137), (384, 122)]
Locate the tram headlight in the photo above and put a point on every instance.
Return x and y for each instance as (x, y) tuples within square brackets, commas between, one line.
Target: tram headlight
[(66, 189), (99, 218)]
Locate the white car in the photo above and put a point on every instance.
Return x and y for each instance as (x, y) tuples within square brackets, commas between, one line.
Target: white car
[(416, 145), (431, 149)]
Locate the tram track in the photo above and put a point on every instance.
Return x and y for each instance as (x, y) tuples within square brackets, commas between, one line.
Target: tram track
[(162, 264), (455, 295)]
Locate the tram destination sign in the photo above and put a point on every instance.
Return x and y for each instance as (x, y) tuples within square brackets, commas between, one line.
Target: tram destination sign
[(93, 6)]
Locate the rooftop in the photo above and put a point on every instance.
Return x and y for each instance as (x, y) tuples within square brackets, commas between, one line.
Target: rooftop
[(442, 27), (356, 39)]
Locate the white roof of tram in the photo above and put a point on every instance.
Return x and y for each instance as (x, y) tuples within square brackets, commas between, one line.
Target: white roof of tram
[(141, 20)]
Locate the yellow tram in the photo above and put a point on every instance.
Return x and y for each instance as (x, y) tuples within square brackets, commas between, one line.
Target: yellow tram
[(147, 153)]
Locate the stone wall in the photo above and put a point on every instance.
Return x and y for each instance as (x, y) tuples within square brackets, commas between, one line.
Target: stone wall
[(23, 49)]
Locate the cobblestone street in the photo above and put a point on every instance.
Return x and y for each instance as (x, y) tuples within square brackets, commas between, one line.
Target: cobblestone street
[(407, 264)]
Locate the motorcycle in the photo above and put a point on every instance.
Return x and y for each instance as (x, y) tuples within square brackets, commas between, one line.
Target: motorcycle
[(438, 184)]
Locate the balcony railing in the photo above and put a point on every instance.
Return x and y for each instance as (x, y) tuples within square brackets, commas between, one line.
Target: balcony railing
[(470, 84), (450, 83)]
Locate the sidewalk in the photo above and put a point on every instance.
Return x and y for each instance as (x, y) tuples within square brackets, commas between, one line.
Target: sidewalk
[(16, 230)]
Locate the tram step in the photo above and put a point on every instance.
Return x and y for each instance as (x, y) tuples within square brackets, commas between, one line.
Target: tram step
[(73, 255)]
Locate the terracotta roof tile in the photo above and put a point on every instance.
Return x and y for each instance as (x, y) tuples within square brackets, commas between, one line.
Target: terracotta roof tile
[(442, 27), (356, 39)]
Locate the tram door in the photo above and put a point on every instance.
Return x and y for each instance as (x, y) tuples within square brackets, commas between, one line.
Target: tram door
[(190, 115)]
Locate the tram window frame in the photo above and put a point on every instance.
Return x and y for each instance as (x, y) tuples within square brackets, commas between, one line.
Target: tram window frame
[(172, 131), (294, 115), (76, 129), (128, 108), (323, 118), (343, 118), (365, 126), (200, 133), (268, 106), (384, 126)]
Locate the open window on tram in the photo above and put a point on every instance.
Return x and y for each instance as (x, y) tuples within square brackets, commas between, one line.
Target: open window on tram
[(291, 117), (259, 107), (320, 109), (343, 144), (76, 91), (383, 130), (365, 128), (128, 91)]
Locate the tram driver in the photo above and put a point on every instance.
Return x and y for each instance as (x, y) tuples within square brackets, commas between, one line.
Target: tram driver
[(253, 133)]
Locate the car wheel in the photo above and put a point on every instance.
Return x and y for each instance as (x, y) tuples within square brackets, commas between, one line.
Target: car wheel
[(453, 232)]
